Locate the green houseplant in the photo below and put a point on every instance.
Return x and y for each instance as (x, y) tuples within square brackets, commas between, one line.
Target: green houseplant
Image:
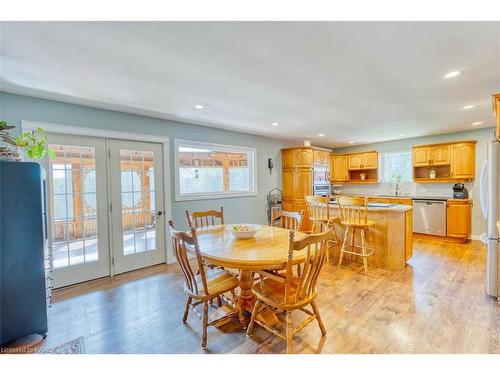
[(34, 144)]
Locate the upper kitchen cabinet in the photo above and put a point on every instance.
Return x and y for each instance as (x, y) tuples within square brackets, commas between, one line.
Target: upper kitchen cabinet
[(321, 158), (297, 157), (444, 162), (362, 167), (496, 109), (338, 168), (363, 160), (463, 161), (431, 155)]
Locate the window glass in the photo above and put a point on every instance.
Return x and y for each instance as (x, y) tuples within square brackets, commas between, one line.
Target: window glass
[(205, 169), (396, 167)]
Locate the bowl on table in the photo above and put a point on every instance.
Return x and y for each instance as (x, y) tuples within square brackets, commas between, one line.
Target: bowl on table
[(242, 231)]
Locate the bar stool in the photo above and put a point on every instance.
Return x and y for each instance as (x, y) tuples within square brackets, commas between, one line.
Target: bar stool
[(354, 216), (319, 213)]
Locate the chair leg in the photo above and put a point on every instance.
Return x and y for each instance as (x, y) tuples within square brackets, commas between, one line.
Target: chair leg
[(219, 301), (252, 319), (204, 327), (346, 234), (318, 317), (186, 310), (289, 332), (353, 234), (363, 250)]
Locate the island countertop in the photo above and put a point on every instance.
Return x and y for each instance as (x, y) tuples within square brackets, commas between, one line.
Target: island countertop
[(381, 206)]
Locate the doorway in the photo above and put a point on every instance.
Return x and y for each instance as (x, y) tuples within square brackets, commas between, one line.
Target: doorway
[(106, 207)]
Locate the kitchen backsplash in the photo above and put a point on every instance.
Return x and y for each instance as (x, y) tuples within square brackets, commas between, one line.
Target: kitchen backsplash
[(408, 188)]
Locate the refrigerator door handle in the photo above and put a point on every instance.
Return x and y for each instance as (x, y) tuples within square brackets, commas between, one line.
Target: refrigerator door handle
[(483, 189)]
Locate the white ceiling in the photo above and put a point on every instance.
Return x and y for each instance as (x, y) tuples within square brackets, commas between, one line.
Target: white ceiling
[(361, 81)]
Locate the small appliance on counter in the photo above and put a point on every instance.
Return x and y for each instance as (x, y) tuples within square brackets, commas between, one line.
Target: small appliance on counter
[(460, 192)]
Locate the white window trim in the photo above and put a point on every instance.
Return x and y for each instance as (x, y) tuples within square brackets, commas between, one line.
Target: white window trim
[(252, 163)]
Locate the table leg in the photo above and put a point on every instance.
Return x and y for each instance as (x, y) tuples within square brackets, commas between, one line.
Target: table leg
[(247, 299)]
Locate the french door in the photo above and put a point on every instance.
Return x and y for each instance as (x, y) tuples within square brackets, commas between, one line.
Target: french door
[(137, 213), (106, 207)]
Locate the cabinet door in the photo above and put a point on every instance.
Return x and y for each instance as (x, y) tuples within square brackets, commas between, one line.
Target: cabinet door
[(288, 158), (459, 219), (421, 156), (288, 183), (440, 155), (405, 201), (338, 168), (303, 183), (369, 160), (303, 157), (355, 161), (463, 161)]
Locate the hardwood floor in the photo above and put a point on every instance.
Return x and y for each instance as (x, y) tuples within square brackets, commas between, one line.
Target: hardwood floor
[(437, 304)]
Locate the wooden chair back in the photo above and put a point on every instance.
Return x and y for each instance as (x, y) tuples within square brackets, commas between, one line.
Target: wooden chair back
[(179, 242), (317, 207), (199, 219), (353, 210), (304, 285), (287, 219)]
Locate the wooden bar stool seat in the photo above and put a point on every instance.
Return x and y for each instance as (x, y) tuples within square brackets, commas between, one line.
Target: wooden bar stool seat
[(354, 217)]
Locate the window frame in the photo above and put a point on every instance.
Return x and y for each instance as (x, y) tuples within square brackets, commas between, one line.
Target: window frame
[(252, 162)]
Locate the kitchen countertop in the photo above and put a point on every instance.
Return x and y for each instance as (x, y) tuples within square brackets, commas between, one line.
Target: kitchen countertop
[(382, 206), (440, 198)]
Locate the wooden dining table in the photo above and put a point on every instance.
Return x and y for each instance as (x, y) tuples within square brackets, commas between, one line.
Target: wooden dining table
[(267, 250)]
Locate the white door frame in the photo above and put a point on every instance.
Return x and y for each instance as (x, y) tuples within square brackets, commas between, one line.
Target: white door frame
[(27, 125)]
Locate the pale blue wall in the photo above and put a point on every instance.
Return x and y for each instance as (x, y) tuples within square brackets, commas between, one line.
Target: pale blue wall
[(14, 108)]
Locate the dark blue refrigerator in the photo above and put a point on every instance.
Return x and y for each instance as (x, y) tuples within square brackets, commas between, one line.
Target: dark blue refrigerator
[(23, 304)]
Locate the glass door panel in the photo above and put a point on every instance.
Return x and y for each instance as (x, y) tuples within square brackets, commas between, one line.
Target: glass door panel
[(79, 251), (138, 225)]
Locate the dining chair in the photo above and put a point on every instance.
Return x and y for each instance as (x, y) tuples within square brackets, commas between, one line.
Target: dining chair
[(289, 292), (199, 219), (205, 286), (287, 219), (354, 217), (319, 213)]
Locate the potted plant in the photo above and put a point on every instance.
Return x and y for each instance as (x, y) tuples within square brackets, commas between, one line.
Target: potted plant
[(34, 144)]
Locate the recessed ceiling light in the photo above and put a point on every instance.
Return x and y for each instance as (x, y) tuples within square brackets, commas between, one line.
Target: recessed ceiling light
[(470, 106), (477, 123), (452, 74), (351, 142), (321, 135), (198, 106), (274, 124), (402, 135)]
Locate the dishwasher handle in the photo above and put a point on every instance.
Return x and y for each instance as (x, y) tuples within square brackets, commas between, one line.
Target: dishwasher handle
[(428, 203)]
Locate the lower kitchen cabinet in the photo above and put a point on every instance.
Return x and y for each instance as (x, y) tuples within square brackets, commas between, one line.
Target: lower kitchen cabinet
[(459, 217)]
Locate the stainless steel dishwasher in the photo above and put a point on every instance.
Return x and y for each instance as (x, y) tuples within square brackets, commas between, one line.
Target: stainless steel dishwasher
[(429, 216)]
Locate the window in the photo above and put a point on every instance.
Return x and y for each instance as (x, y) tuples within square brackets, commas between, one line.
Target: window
[(206, 170), (396, 167)]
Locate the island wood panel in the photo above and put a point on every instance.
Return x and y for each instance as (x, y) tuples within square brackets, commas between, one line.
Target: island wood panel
[(389, 237)]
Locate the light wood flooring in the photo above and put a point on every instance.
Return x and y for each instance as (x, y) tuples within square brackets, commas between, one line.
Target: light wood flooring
[(437, 304)]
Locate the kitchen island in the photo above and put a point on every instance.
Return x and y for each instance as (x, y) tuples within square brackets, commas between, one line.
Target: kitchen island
[(391, 236)]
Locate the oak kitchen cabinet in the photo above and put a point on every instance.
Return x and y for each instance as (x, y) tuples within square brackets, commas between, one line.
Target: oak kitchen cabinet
[(451, 162), (338, 168), (459, 218), (298, 165), (363, 160)]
